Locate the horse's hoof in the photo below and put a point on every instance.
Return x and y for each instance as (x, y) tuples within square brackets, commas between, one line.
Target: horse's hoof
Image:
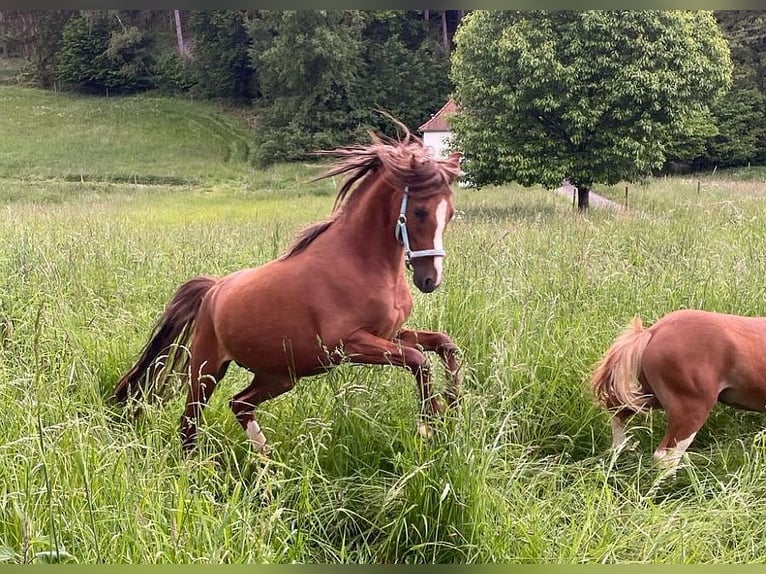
[(425, 430)]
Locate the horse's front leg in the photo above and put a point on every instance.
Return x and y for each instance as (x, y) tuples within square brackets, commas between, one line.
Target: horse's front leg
[(442, 345), (367, 349)]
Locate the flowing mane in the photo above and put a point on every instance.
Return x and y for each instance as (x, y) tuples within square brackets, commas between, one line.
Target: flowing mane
[(402, 161)]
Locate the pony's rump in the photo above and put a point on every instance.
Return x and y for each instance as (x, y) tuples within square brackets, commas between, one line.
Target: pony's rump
[(615, 381), (685, 363)]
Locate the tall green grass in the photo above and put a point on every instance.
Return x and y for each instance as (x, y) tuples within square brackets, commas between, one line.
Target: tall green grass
[(534, 294)]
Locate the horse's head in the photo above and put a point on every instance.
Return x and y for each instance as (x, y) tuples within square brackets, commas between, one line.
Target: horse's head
[(424, 213), (401, 171)]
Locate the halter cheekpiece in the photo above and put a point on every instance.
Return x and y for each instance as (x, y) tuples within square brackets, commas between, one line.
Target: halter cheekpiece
[(401, 235)]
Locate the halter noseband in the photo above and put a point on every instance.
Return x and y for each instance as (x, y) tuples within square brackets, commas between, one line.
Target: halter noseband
[(401, 235)]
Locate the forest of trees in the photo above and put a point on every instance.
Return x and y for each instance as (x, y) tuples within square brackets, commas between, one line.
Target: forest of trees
[(315, 79)]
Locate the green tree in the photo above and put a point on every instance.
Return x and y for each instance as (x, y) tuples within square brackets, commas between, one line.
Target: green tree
[(221, 61), (741, 113), (323, 74), (100, 53), (406, 69), (588, 96), (307, 64), (50, 27), (741, 119)]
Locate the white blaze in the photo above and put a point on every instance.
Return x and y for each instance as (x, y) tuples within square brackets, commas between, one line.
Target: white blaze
[(441, 223)]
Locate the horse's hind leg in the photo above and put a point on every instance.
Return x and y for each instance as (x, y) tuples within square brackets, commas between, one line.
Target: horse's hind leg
[(206, 370), (204, 378), (263, 387)]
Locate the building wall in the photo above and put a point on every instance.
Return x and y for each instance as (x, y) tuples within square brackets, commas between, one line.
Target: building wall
[(438, 142)]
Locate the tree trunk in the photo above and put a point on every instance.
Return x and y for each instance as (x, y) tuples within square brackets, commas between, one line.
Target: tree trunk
[(3, 47), (28, 35), (583, 197), (445, 36), (179, 34)]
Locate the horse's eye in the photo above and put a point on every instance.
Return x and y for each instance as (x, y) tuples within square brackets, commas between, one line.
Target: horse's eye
[(421, 214)]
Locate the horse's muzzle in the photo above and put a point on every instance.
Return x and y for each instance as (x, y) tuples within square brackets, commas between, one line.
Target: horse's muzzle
[(425, 278)]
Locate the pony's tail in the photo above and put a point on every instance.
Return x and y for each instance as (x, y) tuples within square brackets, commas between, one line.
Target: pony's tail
[(175, 326), (615, 379)]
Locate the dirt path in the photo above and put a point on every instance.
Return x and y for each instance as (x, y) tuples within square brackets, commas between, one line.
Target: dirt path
[(594, 199)]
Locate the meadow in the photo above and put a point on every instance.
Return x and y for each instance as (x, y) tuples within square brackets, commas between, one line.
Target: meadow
[(107, 205)]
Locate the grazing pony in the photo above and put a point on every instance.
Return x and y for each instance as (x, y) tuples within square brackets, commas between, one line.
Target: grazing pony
[(685, 363), (340, 293)]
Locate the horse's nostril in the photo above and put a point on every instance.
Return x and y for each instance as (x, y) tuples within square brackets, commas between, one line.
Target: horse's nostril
[(428, 283)]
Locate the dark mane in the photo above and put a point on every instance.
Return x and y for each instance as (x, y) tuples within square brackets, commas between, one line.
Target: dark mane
[(307, 236), (402, 161)]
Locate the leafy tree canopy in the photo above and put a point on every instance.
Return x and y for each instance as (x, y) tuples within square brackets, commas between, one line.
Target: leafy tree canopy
[(592, 96)]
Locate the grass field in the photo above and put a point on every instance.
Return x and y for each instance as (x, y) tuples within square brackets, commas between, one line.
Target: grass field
[(107, 205)]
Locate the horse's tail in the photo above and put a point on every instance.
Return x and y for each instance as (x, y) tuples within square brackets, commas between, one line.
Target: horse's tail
[(175, 326), (615, 379)]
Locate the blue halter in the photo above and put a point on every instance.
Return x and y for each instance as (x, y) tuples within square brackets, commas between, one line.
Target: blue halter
[(401, 235)]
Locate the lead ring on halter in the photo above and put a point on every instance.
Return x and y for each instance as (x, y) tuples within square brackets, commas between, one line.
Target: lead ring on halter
[(400, 232)]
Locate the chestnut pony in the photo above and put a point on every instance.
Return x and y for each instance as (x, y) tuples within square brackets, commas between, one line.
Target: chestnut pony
[(685, 363), (339, 293)]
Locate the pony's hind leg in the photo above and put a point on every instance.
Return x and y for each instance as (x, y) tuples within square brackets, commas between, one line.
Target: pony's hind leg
[(263, 387), (618, 423), (685, 418), (622, 414)]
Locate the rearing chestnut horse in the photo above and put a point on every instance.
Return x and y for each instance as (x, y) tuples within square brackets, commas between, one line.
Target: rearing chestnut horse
[(340, 293)]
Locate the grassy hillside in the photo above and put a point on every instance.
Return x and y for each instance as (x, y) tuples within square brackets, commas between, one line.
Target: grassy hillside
[(533, 293), (140, 138)]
